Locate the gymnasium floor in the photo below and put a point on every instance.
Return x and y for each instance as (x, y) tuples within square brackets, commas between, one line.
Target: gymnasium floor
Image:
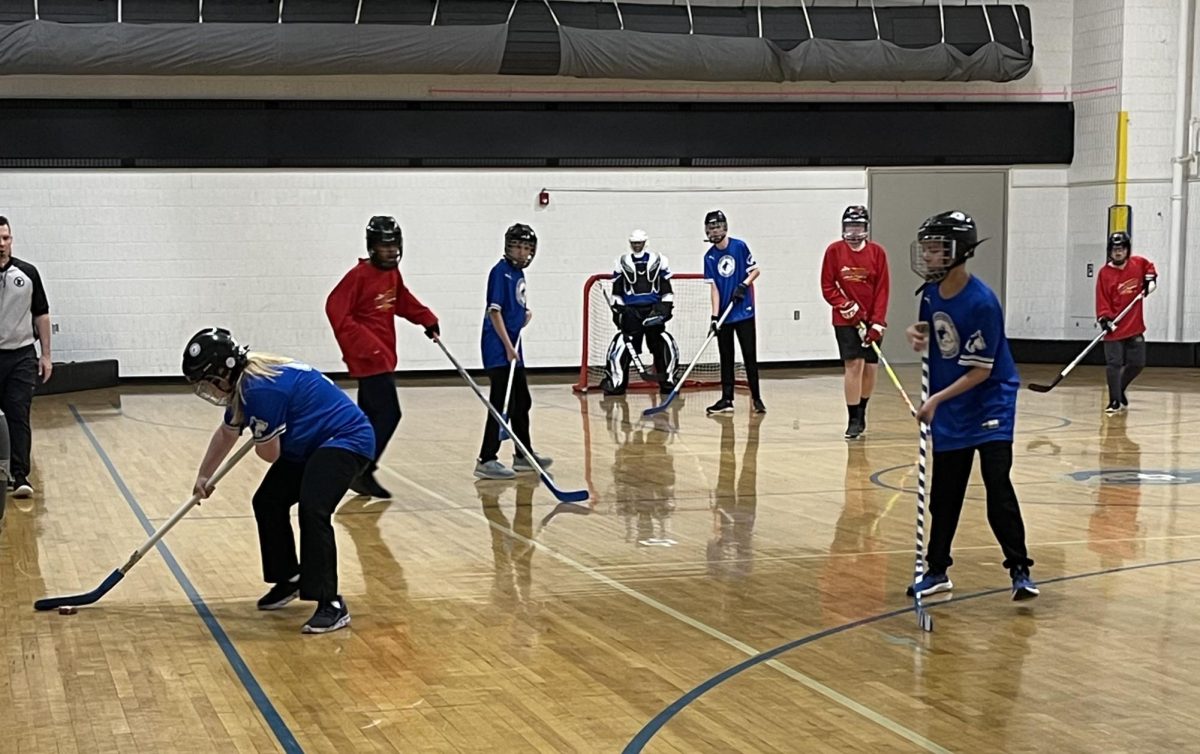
[(478, 625)]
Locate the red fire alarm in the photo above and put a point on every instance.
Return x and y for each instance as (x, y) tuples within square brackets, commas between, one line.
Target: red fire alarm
[(543, 197)]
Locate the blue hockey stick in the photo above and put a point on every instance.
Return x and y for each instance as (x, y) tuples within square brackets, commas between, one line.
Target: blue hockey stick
[(512, 370), (564, 496), (679, 383), (114, 578)]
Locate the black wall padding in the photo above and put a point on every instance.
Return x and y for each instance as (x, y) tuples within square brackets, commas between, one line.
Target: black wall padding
[(982, 42), (383, 134)]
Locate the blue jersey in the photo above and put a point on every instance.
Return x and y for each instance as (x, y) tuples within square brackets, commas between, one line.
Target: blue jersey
[(505, 294), (305, 410), (968, 331), (727, 270)]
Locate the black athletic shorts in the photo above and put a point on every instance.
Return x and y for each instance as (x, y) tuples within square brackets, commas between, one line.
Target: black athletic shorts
[(850, 345)]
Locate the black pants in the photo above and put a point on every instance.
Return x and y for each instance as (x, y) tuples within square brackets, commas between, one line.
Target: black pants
[(951, 471), (18, 376), (1124, 360), (317, 484), (748, 340), (378, 400), (518, 410)]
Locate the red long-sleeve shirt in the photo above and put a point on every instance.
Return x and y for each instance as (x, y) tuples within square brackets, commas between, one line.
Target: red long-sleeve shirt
[(1115, 288), (862, 276), (362, 308)]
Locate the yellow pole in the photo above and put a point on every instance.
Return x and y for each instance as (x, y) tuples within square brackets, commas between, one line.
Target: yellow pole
[(1119, 220)]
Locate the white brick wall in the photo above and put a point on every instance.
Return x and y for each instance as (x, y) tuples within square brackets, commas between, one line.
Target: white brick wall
[(1037, 243), (135, 262)]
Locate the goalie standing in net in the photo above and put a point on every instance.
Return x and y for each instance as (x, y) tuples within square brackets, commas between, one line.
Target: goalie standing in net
[(643, 303), (731, 270), (855, 282)]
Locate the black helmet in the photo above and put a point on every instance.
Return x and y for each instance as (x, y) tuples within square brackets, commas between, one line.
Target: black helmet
[(212, 363), (957, 231), (383, 229), (520, 233), (716, 226), (1120, 239), (856, 214)]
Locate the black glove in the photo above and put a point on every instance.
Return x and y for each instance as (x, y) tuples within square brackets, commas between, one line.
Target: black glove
[(433, 331), (665, 309), (739, 293), (618, 315), (713, 327), (1106, 323)]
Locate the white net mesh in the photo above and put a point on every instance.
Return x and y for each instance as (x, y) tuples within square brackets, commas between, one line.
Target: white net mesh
[(689, 326)]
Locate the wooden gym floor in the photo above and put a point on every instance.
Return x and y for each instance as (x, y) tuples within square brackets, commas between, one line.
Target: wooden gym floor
[(478, 625)]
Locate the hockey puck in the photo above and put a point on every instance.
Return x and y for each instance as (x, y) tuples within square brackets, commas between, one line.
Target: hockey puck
[(67, 610)]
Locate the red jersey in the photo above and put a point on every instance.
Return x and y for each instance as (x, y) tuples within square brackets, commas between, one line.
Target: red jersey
[(362, 308), (1115, 288), (863, 278)]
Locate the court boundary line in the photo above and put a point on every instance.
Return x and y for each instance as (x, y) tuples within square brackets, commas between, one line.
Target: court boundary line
[(639, 741), (714, 633), (258, 696)]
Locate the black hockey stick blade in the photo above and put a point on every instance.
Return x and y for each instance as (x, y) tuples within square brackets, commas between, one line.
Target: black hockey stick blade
[(77, 600), (1043, 388)]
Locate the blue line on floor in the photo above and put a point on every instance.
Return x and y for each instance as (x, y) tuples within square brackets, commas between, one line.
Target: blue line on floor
[(282, 733), (639, 741)]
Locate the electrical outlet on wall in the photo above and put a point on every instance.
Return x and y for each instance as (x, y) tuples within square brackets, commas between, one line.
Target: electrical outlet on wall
[(1091, 269), (53, 328), (796, 315)]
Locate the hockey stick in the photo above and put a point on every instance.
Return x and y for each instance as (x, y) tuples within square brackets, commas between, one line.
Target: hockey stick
[(679, 383), (87, 598), (573, 496), (1067, 369), (924, 619), (862, 330), (512, 370), (644, 373)]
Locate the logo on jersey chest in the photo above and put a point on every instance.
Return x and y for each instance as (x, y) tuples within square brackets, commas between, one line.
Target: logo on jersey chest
[(726, 266), (1128, 287), (521, 291), (947, 335), (386, 300), (854, 274)]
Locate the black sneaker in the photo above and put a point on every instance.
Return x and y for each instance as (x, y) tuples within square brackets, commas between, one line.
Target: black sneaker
[(1114, 407), (855, 428), (280, 594), (723, 406), (22, 488), (365, 484), (330, 616), (759, 406), (1124, 401)]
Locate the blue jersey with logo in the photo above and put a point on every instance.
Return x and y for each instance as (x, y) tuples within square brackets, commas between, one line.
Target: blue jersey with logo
[(505, 294), (727, 269), (967, 330), (305, 410)]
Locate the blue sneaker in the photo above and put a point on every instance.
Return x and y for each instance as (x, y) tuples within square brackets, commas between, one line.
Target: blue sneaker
[(931, 584), (1023, 586)]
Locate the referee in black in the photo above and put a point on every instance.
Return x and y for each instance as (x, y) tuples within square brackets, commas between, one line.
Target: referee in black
[(24, 318)]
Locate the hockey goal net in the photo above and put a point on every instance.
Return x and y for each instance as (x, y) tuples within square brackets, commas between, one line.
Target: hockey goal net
[(689, 327)]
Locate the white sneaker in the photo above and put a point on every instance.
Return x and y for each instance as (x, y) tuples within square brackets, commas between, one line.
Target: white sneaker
[(493, 470)]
